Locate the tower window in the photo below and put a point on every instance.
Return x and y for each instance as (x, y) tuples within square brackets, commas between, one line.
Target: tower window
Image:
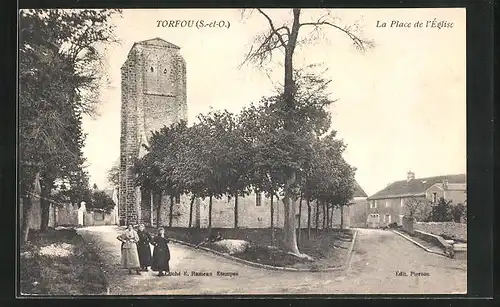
[(152, 69), (165, 71)]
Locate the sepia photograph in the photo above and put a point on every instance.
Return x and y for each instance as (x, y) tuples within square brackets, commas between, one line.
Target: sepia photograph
[(168, 152)]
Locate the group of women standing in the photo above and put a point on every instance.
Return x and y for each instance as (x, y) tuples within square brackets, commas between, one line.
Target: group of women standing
[(136, 251)]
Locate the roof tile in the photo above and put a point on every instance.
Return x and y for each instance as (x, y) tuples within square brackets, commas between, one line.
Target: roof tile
[(416, 186)]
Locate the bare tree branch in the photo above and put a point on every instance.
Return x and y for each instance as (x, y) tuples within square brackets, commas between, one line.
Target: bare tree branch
[(273, 29), (359, 43), (274, 39)]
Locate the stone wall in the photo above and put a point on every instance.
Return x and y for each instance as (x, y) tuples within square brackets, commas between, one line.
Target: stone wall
[(67, 215), (249, 214), (358, 212), (449, 229)]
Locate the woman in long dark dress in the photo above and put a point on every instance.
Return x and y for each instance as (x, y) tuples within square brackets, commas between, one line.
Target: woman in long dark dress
[(143, 248), (161, 253)]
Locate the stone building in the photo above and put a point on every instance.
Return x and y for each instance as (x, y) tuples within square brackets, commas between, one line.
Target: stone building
[(391, 203), (153, 95)]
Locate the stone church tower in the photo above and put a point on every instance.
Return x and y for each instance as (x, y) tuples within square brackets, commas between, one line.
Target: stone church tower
[(153, 96)]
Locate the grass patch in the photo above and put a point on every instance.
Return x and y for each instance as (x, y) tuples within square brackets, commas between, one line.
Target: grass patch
[(58, 262), (329, 248)]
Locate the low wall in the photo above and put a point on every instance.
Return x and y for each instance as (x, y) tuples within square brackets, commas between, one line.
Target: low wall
[(457, 231), (436, 240), (67, 215), (98, 218)]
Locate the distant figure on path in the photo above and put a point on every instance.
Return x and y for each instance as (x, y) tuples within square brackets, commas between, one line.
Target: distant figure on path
[(161, 253), (130, 257), (143, 247)]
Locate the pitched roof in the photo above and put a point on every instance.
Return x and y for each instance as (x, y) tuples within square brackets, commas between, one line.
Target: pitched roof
[(453, 186), (416, 186), (358, 191), (158, 42)]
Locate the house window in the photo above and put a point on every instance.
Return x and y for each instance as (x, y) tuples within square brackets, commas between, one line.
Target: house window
[(434, 197), (178, 199), (258, 199), (228, 199), (387, 204), (387, 218), (152, 69), (374, 204), (402, 203), (165, 71)]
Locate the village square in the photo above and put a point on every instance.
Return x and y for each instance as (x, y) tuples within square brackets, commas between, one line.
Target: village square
[(255, 199)]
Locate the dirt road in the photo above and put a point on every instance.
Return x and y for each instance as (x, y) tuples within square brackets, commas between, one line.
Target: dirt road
[(379, 257)]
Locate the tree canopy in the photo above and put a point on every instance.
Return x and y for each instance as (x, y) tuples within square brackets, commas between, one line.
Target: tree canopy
[(59, 78)]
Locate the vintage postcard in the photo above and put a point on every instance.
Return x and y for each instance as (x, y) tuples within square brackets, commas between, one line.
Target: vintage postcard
[(228, 151)]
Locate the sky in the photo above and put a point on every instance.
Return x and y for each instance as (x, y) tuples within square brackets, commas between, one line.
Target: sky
[(400, 106)]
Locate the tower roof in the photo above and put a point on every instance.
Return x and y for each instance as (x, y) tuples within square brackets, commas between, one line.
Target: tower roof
[(158, 42)]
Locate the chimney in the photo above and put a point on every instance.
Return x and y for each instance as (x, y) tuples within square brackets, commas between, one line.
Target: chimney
[(410, 176), (445, 183)]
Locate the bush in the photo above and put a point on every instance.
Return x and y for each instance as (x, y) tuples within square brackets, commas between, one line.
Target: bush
[(445, 211), (459, 213), (100, 200), (441, 212)]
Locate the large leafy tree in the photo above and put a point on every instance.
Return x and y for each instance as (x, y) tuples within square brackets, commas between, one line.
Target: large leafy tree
[(258, 125), (101, 200), (235, 150), (58, 82), (172, 138), (192, 168), (285, 38), (113, 175), (214, 127)]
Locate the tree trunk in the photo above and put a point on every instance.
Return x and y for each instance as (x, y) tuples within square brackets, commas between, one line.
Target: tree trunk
[(289, 234), (300, 220), (44, 206), (158, 209), (272, 219), (26, 190), (324, 215), (332, 211), (328, 219), (210, 214), (191, 211), (308, 219), (151, 206), (27, 208), (170, 213), (316, 224), (236, 211), (341, 217)]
